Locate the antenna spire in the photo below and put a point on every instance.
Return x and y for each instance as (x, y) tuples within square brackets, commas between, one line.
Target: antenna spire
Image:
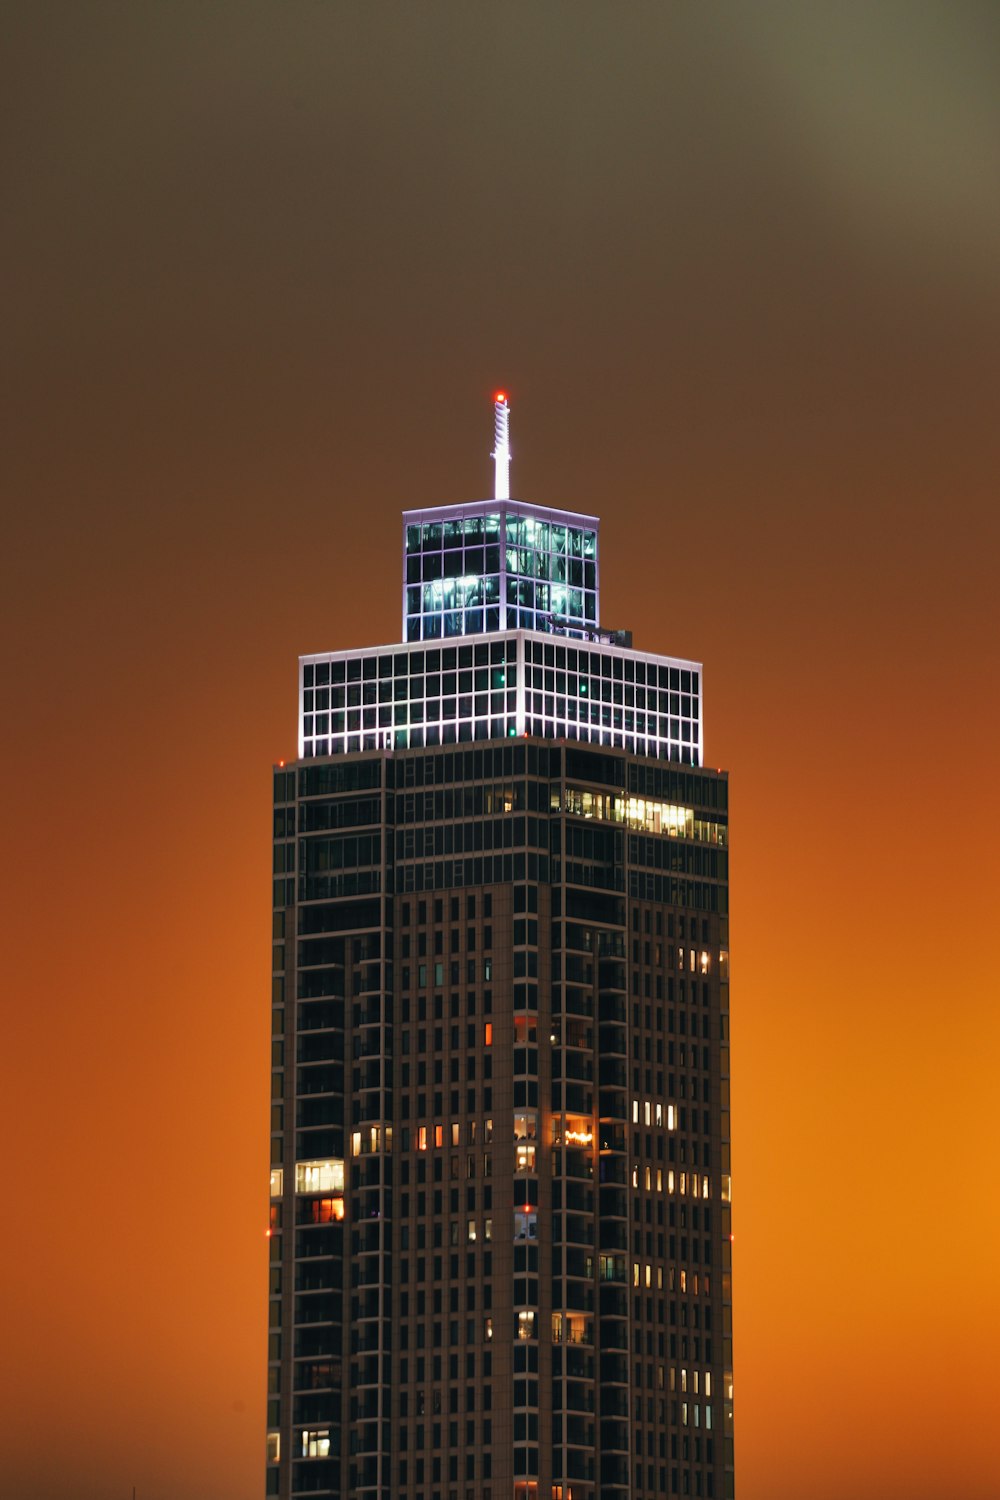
[(501, 451)]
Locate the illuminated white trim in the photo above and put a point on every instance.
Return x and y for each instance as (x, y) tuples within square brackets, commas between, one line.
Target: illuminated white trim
[(587, 719)]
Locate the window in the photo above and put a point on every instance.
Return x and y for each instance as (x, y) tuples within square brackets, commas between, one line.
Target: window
[(277, 1182), (316, 1442), (273, 1447), (324, 1176)]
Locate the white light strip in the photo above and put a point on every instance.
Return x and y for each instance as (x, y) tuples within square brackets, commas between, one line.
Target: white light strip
[(501, 450)]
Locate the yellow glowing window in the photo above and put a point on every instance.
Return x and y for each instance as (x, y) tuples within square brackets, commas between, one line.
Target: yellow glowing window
[(470, 1231), (670, 1180), (421, 1137), (576, 1329), (525, 1127), (704, 962), (487, 1328), (439, 1135), (455, 1133), (671, 1117), (526, 1323), (277, 1182), (324, 1176), (316, 1443), (273, 1447), (524, 1157)]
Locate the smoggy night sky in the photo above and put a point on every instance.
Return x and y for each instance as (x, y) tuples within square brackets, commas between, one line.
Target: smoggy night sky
[(739, 268)]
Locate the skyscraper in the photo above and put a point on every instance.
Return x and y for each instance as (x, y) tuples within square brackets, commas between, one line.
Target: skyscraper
[(500, 1178)]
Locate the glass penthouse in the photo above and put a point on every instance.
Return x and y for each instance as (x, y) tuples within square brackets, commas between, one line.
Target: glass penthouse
[(500, 1176)]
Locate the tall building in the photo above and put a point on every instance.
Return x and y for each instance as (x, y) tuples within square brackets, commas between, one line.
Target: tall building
[(500, 1177)]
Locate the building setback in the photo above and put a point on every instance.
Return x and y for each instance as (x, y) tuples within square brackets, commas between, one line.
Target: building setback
[(500, 1242)]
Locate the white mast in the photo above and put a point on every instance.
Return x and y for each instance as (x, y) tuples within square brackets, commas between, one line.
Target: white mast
[(501, 452)]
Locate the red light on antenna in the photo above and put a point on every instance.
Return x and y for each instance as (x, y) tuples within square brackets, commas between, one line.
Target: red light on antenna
[(500, 396)]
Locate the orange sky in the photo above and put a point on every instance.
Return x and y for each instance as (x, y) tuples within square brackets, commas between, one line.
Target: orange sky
[(737, 267)]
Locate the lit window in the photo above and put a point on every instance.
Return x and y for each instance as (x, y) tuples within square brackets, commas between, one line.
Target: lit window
[(671, 1117), (526, 1323), (487, 1328), (277, 1182), (704, 962), (319, 1176), (326, 1210), (273, 1447), (525, 1127), (316, 1443), (708, 1388), (421, 1137), (454, 1133), (439, 1135), (487, 1229), (470, 1232), (524, 1157), (526, 1225), (488, 1033)]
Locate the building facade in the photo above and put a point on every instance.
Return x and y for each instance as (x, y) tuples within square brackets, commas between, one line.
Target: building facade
[(500, 1240)]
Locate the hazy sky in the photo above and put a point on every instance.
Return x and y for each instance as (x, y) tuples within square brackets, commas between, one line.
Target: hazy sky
[(739, 268)]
